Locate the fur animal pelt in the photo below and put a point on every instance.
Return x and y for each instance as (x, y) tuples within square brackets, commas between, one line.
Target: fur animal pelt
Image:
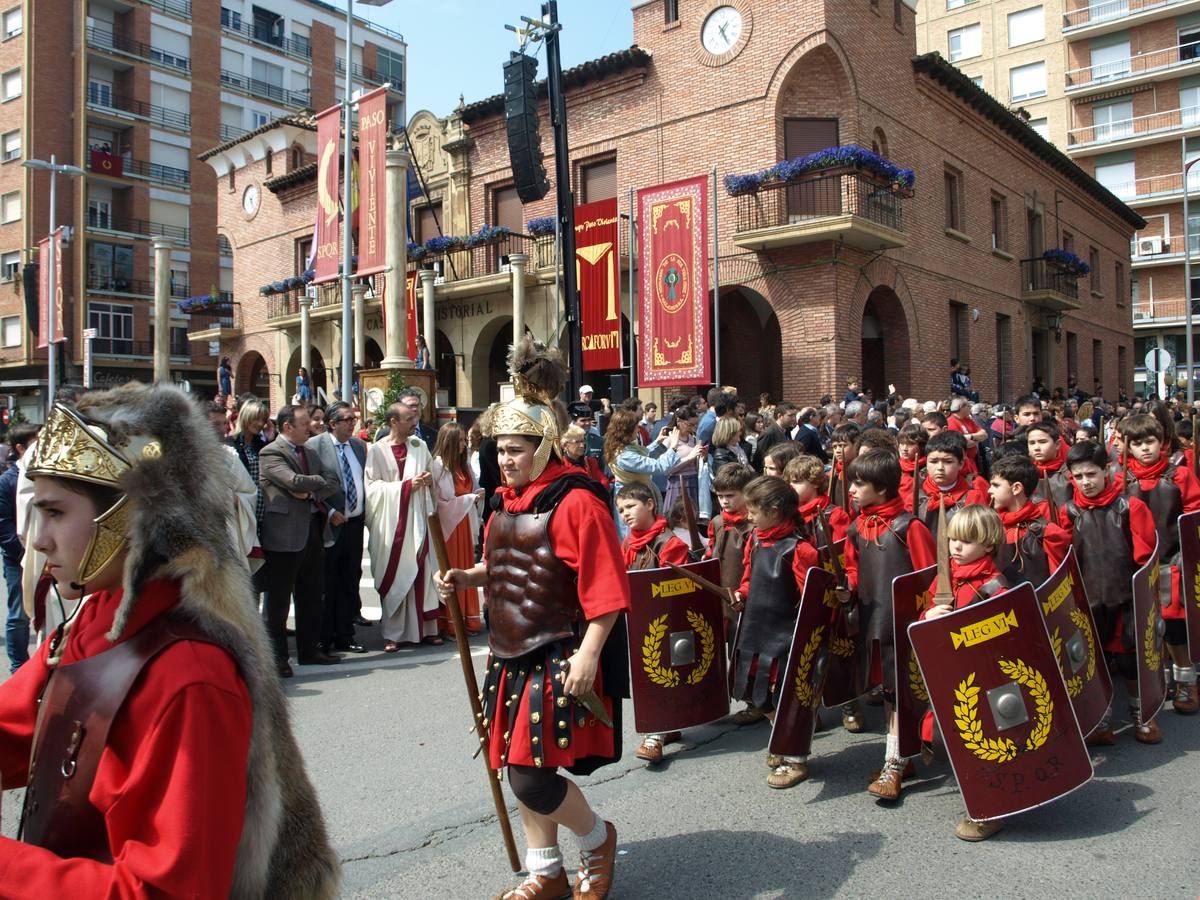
[(180, 501)]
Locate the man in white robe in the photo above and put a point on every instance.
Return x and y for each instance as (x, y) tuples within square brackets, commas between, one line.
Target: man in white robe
[(398, 503)]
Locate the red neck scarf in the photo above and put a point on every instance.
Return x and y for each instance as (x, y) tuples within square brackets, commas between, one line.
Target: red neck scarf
[(979, 571), (908, 466), (948, 498), (1060, 460), (771, 535), (1104, 498), (809, 510), (731, 520), (1151, 472), (637, 541), (1018, 519), (874, 520)]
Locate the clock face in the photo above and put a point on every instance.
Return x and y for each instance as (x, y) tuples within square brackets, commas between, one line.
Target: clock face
[(250, 200), (721, 30)]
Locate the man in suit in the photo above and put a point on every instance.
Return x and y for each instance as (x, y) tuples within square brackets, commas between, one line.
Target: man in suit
[(342, 459), (807, 436), (292, 535), (780, 431)]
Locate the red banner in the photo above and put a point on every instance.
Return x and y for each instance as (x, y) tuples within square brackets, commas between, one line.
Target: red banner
[(410, 301), (372, 199), (328, 241), (44, 290), (673, 249), (107, 163), (597, 272)]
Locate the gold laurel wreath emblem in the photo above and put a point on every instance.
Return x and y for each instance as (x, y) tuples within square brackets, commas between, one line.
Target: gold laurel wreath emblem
[(1074, 683), (652, 656), (916, 683), (1080, 620), (970, 727), (842, 646), (708, 646), (1150, 641), (804, 687), (1196, 587)]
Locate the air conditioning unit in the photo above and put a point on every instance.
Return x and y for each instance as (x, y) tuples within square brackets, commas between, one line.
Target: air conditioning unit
[(440, 279), (1149, 246)]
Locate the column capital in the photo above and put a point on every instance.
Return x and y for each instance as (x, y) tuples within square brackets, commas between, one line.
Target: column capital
[(426, 276), (396, 157), (163, 243), (358, 290), (518, 260)]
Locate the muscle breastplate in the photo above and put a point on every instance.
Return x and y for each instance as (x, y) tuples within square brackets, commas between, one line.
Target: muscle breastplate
[(1025, 559), (1105, 546), (1166, 505)]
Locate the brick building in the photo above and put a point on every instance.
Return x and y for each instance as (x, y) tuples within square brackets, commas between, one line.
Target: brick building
[(131, 91), (831, 277)]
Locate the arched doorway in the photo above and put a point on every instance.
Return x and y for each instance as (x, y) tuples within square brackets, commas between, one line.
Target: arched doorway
[(489, 361), (885, 344), (316, 377), (374, 356), (751, 345), (252, 376), (446, 363)]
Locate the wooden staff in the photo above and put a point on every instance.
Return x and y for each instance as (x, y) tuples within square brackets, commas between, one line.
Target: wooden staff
[(464, 655), (1051, 507), (944, 596), (916, 491), (689, 512)]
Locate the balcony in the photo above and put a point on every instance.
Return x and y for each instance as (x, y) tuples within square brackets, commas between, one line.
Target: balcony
[(109, 224), (1152, 65), (216, 324), (362, 73), (1104, 16), (484, 269), (1159, 312), (845, 205), (1048, 285), (123, 167), (104, 39), (264, 36), (1134, 132), (181, 8), (121, 108), (264, 90), (137, 350), (1153, 190)]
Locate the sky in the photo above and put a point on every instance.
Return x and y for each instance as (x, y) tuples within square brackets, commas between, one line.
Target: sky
[(457, 46)]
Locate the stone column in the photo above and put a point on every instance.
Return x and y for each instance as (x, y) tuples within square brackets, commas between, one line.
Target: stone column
[(360, 325), (428, 326), (395, 312), (305, 348), (162, 309), (517, 262)]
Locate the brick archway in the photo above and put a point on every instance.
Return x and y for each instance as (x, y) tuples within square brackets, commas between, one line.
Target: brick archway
[(882, 301), (252, 375), (885, 343), (751, 344)]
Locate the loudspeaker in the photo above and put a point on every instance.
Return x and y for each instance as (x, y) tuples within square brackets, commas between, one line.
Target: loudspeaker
[(29, 283), (618, 389), (521, 118)]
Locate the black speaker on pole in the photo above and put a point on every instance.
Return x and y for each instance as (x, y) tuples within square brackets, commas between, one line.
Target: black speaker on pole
[(29, 284), (521, 118), (618, 389)]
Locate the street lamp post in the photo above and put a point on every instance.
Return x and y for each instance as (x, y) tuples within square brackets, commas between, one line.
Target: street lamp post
[(54, 168), (1187, 273)]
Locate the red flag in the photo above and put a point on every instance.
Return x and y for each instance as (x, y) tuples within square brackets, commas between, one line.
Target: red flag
[(107, 163), (410, 300), (328, 243), (44, 251), (597, 274), (372, 202), (673, 248)]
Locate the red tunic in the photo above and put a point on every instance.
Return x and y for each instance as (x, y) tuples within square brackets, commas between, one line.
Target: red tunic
[(584, 538), (908, 469), (966, 581), (673, 551), (1189, 494), (966, 427), (171, 783), (1055, 541), (874, 520), (839, 520), (804, 557), (969, 491)]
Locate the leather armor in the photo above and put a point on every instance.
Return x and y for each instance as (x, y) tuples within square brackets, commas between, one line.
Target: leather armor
[(879, 561), (1025, 559), (1104, 544), (769, 619), (728, 546)]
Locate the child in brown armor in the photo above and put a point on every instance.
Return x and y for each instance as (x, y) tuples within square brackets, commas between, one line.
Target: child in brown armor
[(728, 531), (884, 541), (777, 560), (1033, 546)]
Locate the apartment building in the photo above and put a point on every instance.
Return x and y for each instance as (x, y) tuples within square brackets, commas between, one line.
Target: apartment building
[(131, 91)]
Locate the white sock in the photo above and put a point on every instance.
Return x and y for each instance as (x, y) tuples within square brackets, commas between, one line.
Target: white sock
[(544, 861), (593, 838), (794, 760), (1185, 674), (893, 748)]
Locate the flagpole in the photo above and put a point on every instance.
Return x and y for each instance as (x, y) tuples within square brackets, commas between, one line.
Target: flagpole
[(716, 285), (347, 238), (632, 306)]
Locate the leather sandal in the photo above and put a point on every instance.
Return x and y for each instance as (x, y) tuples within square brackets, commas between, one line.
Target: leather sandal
[(1149, 733), (390, 646), (973, 831), (651, 750), (788, 774), (886, 786), (749, 715), (594, 878), (540, 887), (1185, 700)]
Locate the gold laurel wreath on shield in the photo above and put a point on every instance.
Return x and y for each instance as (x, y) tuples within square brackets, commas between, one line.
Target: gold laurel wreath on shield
[(708, 646), (842, 646), (652, 656), (1196, 587), (970, 727), (1080, 620), (1075, 682), (804, 688), (916, 683), (1150, 640)]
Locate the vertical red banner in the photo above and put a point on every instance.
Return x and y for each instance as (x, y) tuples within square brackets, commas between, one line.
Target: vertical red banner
[(598, 273), (328, 240), (372, 199), (410, 301), (673, 250), (45, 248)]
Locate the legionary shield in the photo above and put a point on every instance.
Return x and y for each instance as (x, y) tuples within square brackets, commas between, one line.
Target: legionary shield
[(1076, 642), (676, 653), (998, 695), (843, 679), (1148, 631), (801, 683), (1189, 570), (910, 597)]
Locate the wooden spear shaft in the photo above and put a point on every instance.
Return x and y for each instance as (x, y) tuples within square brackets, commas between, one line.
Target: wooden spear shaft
[(464, 655)]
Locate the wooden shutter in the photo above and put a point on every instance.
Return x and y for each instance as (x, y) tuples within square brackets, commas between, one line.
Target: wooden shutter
[(804, 136), (506, 209), (815, 198), (599, 181), (427, 224)]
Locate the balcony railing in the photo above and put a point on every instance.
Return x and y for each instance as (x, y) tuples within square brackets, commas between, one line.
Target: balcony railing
[(117, 103), (1111, 10), (132, 287), (1132, 66), (107, 40), (1159, 123), (181, 8), (264, 89), (107, 164), (1041, 276), (362, 73), (232, 133), (136, 349), (138, 226), (259, 34), (1153, 187), (1147, 310), (211, 319), (829, 205)]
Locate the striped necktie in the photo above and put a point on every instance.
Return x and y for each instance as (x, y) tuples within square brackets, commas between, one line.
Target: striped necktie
[(351, 493)]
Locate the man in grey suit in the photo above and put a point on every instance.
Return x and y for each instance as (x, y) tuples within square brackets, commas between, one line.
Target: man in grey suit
[(293, 527), (342, 459)]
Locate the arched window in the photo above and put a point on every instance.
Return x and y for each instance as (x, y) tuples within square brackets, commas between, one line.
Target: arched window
[(295, 157), (879, 142)]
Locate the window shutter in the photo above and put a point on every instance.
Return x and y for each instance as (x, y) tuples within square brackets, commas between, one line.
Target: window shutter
[(599, 181), (506, 209)]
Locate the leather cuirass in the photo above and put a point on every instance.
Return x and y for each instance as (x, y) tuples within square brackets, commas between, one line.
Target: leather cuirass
[(1165, 500), (879, 561), (1104, 543), (728, 546), (1025, 559), (533, 598)]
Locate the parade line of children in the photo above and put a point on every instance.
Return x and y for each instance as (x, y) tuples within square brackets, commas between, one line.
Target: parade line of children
[(882, 494)]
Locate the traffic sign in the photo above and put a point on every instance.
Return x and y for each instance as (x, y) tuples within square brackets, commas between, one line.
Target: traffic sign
[(1159, 360)]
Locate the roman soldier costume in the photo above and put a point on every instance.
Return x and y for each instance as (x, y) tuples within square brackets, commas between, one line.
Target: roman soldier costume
[(150, 731)]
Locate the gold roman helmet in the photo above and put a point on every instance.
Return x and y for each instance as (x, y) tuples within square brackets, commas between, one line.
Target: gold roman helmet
[(69, 446), (538, 376)]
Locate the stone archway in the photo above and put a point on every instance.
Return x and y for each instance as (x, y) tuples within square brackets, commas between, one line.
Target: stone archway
[(489, 361), (751, 345), (317, 376), (885, 343), (446, 362), (373, 353), (252, 376)]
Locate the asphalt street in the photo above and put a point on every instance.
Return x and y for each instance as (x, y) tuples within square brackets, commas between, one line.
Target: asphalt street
[(386, 741)]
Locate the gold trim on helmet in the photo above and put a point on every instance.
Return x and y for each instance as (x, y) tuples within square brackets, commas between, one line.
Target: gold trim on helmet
[(531, 420)]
